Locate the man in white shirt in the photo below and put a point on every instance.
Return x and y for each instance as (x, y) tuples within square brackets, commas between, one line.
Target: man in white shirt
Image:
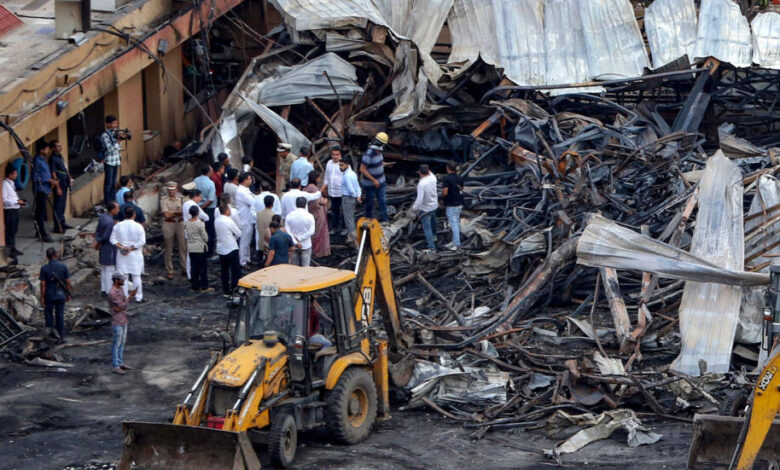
[(426, 204), (245, 204), (11, 206), (231, 185), (289, 198), (300, 225), (227, 248), (351, 194), (331, 186), (129, 239)]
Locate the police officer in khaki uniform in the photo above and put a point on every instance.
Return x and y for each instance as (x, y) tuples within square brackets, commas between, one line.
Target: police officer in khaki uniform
[(285, 159), (173, 227)]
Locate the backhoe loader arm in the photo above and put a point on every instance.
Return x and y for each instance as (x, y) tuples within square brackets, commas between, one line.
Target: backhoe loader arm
[(374, 277)]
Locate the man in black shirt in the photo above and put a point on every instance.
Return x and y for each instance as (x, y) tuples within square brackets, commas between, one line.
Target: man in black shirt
[(453, 202), (129, 200), (55, 291)]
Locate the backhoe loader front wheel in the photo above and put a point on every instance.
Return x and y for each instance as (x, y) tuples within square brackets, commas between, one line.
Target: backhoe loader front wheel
[(282, 440), (735, 403), (350, 409)]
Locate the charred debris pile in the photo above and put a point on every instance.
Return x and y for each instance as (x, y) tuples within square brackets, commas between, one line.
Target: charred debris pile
[(598, 225)]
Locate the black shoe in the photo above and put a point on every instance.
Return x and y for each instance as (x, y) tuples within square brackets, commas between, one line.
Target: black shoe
[(66, 226), (15, 252), (47, 239)]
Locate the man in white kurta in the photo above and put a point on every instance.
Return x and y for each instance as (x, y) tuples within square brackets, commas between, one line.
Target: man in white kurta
[(245, 203), (129, 239)]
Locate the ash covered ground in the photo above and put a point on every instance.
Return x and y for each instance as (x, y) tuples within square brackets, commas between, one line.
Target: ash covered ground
[(72, 419)]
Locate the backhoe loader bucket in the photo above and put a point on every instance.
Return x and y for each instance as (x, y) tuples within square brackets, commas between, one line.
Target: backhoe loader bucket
[(151, 446), (715, 438)]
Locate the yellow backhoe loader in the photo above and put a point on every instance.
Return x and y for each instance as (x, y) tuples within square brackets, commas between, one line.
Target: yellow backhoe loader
[(282, 375), (747, 429)]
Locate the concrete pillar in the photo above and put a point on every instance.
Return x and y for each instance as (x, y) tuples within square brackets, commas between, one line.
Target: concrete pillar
[(173, 95)]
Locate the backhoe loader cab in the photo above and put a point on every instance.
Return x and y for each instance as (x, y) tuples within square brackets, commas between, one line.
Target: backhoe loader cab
[(305, 354)]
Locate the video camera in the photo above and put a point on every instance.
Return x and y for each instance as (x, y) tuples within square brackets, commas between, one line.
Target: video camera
[(127, 134)]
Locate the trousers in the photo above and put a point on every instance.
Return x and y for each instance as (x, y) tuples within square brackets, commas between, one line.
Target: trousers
[(60, 202), (428, 221), (230, 271), (301, 257), (453, 218), (199, 271), (11, 219), (41, 199), (136, 280), (245, 243), (54, 312), (118, 345), (336, 219), (109, 190), (174, 231), (348, 204), (105, 277), (210, 230), (381, 197)]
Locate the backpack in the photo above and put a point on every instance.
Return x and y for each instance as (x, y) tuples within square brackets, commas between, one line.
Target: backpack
[(100, 148)]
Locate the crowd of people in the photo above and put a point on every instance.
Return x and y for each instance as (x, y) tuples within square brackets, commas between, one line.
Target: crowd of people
[(225, 215)]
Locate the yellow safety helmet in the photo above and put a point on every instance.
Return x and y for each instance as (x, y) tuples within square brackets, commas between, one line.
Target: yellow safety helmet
[(382, 137)]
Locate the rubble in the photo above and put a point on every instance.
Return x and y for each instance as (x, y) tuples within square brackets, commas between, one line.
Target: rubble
[(604, 200)]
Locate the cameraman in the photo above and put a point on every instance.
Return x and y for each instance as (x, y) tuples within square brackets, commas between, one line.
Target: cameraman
[(110, 157)]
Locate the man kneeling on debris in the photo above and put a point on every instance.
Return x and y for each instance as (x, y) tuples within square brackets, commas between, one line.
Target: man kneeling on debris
[(117, 305), (55, 291)]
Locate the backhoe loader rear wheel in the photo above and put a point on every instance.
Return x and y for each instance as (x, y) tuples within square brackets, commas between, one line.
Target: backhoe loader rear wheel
[(735, 403), (282, 440), (350, 409)]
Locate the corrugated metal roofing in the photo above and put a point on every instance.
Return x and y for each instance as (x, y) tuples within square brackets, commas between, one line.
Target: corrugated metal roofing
[(671, 30), (766, 40), (723, 33), (8, 21)]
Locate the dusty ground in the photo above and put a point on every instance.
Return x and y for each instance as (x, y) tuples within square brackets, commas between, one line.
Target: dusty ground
[(52, 419)]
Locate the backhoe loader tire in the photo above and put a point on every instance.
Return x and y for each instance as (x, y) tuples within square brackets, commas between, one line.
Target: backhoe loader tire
[(734, 404), (350, 409), (282, 440)]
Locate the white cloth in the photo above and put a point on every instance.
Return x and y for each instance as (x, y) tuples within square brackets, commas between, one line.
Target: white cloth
[(427, 200), (233, 215), (105, 277), (300, 225), (288, 199), (129, 233), (227, 234), (185, 209), (333, 177), (10, 198), (136, 280), (245, 244), (260, 202), (231, 189), (245, 203)]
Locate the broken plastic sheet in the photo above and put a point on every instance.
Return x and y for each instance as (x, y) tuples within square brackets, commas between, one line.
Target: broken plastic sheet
[(520, 35), (469, 22), (227, 140), (306, 15), (612, 38), (292, 85), (600, 427), (605, 244), (286, 131), (766, 40), (723, 33), (709, 311), (670, 26)]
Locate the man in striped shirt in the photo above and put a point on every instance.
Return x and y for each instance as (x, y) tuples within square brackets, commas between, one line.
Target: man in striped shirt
[(373, 171)]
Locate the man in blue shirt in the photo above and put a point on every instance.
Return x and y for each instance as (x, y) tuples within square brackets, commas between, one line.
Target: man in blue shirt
[(125, 185), (60, 172), (350, 196), (207, 188), (372, 167), (130, 202), (302, 167), (42, 185), (55, 291), (278, 246)]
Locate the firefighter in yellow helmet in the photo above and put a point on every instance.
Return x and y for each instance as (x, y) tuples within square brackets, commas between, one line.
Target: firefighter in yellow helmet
[(372, 170)]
